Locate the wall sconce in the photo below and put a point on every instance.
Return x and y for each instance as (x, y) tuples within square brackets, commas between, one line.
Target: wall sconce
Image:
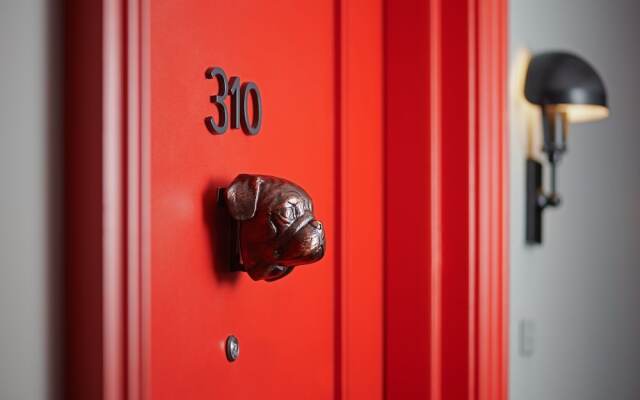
[(567, 89)]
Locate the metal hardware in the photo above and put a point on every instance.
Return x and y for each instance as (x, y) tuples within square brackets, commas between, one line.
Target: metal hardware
[(555, 138), (274, 229), (232, 348), (240, 94)]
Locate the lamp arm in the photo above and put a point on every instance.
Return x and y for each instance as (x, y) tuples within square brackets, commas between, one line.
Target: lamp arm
[(555, 126), (552, 199)]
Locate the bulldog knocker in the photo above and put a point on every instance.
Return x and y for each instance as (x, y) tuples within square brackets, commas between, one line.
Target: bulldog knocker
[(275, 229)]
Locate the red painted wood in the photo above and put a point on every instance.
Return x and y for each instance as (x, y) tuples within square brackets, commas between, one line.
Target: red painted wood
[(450, 301), (137, 299), (458, 191), (193, 309), (110, 207), (411, 210), (103, 191), (360, 210), (474, 282), (307, 335), (83, 193)]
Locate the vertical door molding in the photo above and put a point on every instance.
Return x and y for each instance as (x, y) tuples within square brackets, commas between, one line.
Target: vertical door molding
[(412, 201), (474, 311), (446, 267), (104, 193), (359, 199)]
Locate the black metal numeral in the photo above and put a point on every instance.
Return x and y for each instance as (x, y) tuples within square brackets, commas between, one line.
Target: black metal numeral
[(234, 92), (249, 89), (218, 100)]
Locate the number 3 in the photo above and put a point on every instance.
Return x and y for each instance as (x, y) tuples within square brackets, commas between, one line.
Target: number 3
[(218, 100)]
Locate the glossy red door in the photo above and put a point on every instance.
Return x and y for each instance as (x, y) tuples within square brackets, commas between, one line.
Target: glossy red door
[(291, 345), (148, 305)]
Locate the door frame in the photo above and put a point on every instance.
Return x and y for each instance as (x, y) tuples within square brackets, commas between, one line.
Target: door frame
[(449, 270), (446, 277)]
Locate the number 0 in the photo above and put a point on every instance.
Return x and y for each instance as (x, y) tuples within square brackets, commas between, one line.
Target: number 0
[(250, 89)]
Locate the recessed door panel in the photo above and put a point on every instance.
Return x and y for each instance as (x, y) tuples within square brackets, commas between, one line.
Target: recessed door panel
[(286, 329)]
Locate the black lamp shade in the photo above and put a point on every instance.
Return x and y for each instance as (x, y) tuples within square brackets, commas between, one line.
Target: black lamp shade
[(555, 78)]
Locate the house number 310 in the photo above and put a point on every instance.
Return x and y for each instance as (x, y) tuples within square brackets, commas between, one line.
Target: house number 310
[(240, 94)]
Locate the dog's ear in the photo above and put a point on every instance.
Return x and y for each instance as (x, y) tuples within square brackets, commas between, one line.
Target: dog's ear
[(242, 196)]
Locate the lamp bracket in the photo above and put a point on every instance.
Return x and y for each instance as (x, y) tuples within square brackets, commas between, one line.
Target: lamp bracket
[(538, 200)]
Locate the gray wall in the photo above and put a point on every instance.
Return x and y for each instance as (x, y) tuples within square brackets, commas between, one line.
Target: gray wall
[(581, 288), (30, 203)]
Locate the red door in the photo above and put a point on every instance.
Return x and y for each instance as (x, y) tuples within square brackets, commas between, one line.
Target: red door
[(290, 331), (150, 298)]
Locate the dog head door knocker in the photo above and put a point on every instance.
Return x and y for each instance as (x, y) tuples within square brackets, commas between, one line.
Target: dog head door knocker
[(275, 229)]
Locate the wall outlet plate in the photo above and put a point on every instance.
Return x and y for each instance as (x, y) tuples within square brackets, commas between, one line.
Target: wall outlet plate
[(527, 337)]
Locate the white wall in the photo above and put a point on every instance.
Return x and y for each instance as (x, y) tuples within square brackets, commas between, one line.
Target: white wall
[(30, 199), (581, 288)]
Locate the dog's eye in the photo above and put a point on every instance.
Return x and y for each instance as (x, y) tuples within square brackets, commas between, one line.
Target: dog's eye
[(288, 213)]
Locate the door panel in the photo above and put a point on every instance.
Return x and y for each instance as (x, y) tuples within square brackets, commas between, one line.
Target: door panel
[(286, 329)]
